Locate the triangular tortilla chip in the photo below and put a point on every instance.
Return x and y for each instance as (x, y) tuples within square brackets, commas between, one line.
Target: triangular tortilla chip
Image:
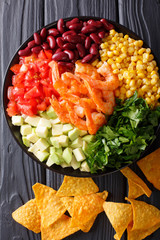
[(135, 182), (120, 215), (58, 230), (73, 186), (68, 202), (150, 166), (145, 216), (103, 195), (141, 234), (85, 208), (28, 215), (49, 204)]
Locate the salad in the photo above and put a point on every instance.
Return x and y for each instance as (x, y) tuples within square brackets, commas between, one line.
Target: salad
[(85, 96)]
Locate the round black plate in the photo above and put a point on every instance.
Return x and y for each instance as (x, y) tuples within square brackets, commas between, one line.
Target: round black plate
[(15, 130)]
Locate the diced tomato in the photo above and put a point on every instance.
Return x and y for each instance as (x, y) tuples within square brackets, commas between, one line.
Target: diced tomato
[(34, 92), (15, 68), (18, 78), (48, 54), (12, 108), (42, 106), (18, 92), (42, 55), (10, 93)]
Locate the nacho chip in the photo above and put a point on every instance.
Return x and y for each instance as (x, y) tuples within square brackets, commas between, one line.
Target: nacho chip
[(28, 215), (103, 195), (49, 204), (85, 208), (73, 186), (68, 203), (120, 215), (150, 166), (136, 185), (145, 216), (141, 234), (58, 230)]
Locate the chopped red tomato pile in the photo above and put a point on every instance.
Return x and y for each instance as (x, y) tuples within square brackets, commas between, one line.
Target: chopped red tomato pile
[(85, 95), (31, 85)]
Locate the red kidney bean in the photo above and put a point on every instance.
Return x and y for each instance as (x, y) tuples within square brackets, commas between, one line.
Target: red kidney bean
[(84, 24), (68, 33), (95, 38), (94, 58), (97, 24), (43, 33), (88, 42), (74, 20), (70, 54), (36, 49), (37, 38), (87, 58), (24, 52), (60, 42), (94, 49), (53, 31), (81, 50), (108, 26), (52, 42), (101, 34), (45, 46), (69, 46), (58, 50), (83, 37), (88, 29), (73, 38), (75, 26), (31, 44), (60, 56), (76, 55), (61, 25), (66, 64)]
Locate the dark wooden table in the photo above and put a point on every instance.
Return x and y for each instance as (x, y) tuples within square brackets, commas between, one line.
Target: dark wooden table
[(18, 20)]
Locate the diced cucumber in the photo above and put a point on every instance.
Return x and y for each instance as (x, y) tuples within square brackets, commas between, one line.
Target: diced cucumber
[(33, 121), (54, 159), (73, 134), (51, 113), (67, 155), (42, 131), (57, 129), (26, 129), (42, 155), (55, 121), (55, 142), (75, 165), (66, 128), (84, 167), (52, 150), (64, 165), (79, 154), (26, 142), (83, 133), (44, 123), (32, 137), (84, 146), (17, 120), (33, 149), (77, 143), (63, 140), (42, 144), (43, 114), (88, 138), (59, 151)]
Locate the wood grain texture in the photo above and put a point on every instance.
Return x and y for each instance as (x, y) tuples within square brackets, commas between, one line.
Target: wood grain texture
[(18, 20)]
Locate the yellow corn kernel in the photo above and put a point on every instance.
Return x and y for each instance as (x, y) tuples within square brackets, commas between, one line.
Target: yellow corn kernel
[(120, 34), (116, 71), (114, 39), (141, 51), (117, 93), (110, 54), (133, 89), (145, 57), (118, 65), (153, 72), (156, 68), (122, 90), (132, 83), (149, 69), (146, 81), (148, 50), (154, 63), (154, 89), (141, 75), (116, 52), (114, 66), (153, 81), (144, 88), (118, 59), (139, 82), (120, 77), (103, 45), (113, 47), (124, 49), (151, 57), (134, 58), (120, 45), (148, 100), (99, 64), (152, 98), (126, 36), (130, 50), (110, 61), (95, 63), (129, 93), (112, 32), (138, 43)]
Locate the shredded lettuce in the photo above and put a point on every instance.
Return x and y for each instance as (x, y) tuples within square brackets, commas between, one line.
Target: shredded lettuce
[(128, 132)]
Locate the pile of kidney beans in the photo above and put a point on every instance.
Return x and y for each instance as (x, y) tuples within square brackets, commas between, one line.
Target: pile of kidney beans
[(70, 41)]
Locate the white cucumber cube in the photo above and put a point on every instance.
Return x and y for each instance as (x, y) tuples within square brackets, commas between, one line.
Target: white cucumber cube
[(44, 123), (32, 137), (66, 128), (42, 144), (26, 129), (42, 131), (33, 121), (17, 120), (64, 165), (77, 143), (51, 113), (73, 134), (67, 155), (83, 133), (63, 140), (84, 167), (55, 121), (79, 154), (33, 149), (41, 155), (57, 129), (26, 142), (74, 164), (53, 159)]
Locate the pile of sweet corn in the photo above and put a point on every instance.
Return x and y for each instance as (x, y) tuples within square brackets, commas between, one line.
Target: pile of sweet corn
[(134, 65)]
